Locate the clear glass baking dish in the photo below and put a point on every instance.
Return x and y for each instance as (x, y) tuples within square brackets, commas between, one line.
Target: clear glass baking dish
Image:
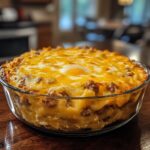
[(45, 116)]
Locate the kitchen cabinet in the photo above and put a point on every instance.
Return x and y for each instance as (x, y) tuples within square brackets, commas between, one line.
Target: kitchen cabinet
[(35, 1), (45, 13), (44, 35)]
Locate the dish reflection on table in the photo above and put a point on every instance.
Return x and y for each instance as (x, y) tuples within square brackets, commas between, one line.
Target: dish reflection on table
[(9, 136), (19, 136)]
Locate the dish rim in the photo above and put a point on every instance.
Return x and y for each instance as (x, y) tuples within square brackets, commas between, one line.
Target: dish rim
[(146, 68)]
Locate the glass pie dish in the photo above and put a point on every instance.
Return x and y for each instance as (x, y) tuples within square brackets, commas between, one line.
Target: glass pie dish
[(89, 123), (74, 91)]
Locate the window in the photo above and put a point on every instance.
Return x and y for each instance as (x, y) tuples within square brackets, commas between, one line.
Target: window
[(76, 11), (138, 12), (66, 19)]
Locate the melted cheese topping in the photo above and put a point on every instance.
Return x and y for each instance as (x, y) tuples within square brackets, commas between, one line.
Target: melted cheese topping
[(70, 69)]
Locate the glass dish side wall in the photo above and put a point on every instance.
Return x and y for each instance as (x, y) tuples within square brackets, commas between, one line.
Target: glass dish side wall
[(74, 115)]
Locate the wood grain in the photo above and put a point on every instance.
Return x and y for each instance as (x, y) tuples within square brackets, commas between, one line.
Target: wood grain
[(14, 135)]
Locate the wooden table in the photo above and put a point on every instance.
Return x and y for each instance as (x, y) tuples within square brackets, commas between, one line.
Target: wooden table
[(14, 135)]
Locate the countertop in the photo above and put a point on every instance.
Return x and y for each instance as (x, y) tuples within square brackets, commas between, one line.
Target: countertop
[(14, 135), (22, 24)]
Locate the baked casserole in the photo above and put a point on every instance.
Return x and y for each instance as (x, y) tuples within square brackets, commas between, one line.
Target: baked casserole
[(73, 89)]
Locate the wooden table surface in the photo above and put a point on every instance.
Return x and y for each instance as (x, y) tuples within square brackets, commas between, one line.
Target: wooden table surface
[(14, 135)]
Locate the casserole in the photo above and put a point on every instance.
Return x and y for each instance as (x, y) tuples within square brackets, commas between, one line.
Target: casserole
[(74, 91)]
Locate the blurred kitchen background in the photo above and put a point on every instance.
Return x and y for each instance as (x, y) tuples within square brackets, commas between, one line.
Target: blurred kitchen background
[(120, 25)]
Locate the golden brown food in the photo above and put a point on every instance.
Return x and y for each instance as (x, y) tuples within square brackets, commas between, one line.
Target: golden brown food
[(55, 76)]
